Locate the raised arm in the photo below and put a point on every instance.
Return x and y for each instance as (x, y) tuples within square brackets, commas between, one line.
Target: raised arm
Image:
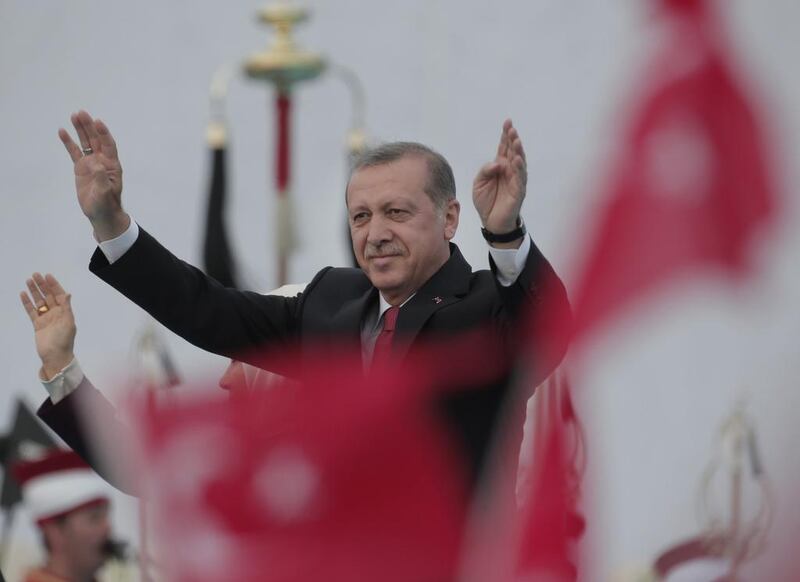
[(499, 188), (50, 310), (98, 175), (526, 281)]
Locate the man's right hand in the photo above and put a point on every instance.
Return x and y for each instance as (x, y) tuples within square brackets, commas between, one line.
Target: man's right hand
[(50, 311), (98, 175)]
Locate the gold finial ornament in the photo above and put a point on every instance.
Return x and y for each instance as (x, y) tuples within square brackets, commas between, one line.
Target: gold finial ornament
[(217, 131), (357, 141), (217, 135), (284, 62)]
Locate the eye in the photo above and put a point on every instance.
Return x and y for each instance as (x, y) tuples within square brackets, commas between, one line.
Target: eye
[(397, 213), (359, 218)]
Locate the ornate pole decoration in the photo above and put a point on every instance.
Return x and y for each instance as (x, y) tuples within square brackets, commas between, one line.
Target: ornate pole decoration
[(357, 140), (283, 64)]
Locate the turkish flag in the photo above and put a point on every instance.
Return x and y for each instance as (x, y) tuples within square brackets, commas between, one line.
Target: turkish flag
[(691, 183), (535, 534), (345, 477), (549, 524), (689, 189)]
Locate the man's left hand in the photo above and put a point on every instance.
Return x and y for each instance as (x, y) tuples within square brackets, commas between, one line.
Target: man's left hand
[(499, 188), (49, 308)]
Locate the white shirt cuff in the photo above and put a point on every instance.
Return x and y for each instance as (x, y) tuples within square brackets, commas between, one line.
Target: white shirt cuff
[(64, 383), (114, 248), (510, 262)]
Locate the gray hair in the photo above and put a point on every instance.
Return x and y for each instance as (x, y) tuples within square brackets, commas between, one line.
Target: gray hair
[(441, 186)]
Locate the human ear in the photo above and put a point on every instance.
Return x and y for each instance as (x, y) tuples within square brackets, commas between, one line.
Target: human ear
[(451, 213)]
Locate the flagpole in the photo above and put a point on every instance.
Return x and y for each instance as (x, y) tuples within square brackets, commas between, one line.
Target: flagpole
[(283, 64), (5, 534), (283, 168)]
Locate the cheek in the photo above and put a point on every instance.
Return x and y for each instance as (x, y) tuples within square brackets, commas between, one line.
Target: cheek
[(359, 242), (358, 237)]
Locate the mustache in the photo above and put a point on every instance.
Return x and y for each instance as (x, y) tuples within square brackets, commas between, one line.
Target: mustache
[(372, 251), (115, 549)]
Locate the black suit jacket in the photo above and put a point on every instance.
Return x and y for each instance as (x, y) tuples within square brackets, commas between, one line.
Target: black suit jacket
[(332, 309), (68, 419)]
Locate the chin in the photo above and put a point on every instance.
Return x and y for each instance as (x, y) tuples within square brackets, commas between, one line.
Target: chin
[(386, 285)]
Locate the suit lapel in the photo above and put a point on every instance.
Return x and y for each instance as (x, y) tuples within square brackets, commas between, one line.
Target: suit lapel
[(449, 285), (347, 322)]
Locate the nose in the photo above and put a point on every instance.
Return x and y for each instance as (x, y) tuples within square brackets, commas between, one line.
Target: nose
[(105, 526), (233, 378), (379, 231)]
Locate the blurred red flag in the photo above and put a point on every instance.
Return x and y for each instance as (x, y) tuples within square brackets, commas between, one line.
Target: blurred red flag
[(691, 182), (689, 189), (549, 524), (533, 535), (344, 478)]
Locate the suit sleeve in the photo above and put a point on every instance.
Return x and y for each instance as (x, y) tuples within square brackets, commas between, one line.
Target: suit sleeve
[(69, 419), (221, 320), (537, 312)]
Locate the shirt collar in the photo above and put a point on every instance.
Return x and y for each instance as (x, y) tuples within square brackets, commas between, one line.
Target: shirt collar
[(384, 305)]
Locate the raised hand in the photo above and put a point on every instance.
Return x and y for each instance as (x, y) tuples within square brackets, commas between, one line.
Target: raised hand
[(98, 175), (499, 187), (50, 310)]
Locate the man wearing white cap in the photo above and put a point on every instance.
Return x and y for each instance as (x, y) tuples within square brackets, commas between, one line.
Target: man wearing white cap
[(70, 504)]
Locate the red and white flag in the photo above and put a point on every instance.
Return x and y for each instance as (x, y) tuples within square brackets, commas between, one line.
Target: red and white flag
[(690, 187), (534, 536), (692, 182), (343, 478)]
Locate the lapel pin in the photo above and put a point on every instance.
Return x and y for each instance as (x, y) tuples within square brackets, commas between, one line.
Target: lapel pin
[(437, 300)]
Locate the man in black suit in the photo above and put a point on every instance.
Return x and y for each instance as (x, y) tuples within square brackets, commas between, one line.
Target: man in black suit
[(403, 214)]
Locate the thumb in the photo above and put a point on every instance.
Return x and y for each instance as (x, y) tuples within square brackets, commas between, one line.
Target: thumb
[(68, 309), (488, 171)]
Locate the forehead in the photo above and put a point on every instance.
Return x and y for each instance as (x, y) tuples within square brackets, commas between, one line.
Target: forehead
[(406, 177), (90, 512)]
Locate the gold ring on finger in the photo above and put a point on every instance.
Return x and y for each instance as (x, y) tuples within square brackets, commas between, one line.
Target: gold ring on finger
[(42, 309)]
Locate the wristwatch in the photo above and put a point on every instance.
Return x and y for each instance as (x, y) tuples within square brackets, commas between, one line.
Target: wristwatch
[(506, 237)]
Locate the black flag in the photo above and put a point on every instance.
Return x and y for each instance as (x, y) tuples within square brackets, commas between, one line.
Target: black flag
[(217, 256), (26, 433)]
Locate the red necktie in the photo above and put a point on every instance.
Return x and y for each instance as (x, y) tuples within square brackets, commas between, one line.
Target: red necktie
[(383, 344)]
